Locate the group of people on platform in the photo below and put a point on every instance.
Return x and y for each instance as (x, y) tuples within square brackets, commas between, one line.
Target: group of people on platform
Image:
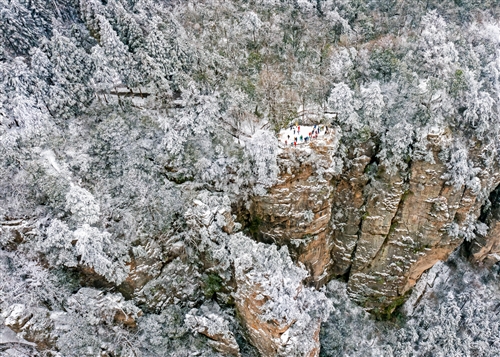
[(301, 138)]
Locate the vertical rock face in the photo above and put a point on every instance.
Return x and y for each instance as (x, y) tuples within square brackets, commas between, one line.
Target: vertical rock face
[(410, 223), (378, 228), (403, 233), (296, 212), (281, 315), (347, 204)]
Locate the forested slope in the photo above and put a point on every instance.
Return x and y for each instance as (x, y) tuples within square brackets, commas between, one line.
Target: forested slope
[(142, 185)]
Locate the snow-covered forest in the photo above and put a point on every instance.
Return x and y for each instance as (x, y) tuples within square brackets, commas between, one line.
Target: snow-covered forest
[(138, 136)]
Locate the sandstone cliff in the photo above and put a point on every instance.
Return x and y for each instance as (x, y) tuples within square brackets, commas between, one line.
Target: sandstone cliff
[(378, 228), (297, 210), (282, 316)]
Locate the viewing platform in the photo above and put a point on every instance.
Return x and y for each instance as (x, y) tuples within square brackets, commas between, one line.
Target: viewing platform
[(296, 136)]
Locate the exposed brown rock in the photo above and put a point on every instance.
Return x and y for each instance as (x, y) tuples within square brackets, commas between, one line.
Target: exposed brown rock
[(419, 213), (143, 269), (272, 337), (17, 317), (32, 326), (126, 319), (230, 224), (272, 302), (265, 336), (385, 227), (17, 230), (347, 210), (209, 321), (296, 212), (423, 210), (486, 250)]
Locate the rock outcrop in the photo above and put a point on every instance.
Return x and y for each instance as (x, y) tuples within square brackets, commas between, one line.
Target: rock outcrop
[(347, 207), (282, 316), (410, 223), (209, 321), (378, 228), (39, 327), (296, 211), (34, 326)]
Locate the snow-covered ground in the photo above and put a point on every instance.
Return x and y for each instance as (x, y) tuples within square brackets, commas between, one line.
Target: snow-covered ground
[(288, 135)]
